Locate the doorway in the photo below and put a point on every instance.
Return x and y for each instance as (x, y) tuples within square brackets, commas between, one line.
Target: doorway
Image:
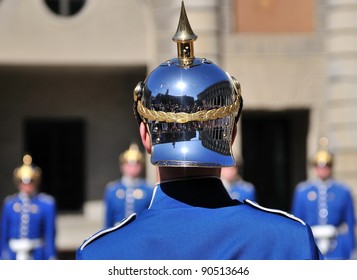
[(274, 153), (57, 146)]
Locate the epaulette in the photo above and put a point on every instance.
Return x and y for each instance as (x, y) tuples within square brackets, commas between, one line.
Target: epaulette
[(275, 211), (305, 185), (112, 183), (247, 186), (10, 197), (124, 222), (46, 197)]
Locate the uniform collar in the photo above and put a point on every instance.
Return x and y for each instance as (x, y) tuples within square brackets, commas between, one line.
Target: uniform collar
[(328, 183), (130, 182), (24, 196), (207, 192)]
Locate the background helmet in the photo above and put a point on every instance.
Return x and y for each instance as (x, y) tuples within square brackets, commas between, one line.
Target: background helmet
[(27, 173), (132, 155), (190, 107), (323, 157)]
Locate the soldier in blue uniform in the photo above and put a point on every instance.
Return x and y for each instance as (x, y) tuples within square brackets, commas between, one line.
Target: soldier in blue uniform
[(235, 185), (28, 218), (327, 206), (129, 194), (187, 110)]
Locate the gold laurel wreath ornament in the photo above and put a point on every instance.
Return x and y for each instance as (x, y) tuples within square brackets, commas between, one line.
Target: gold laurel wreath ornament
[(182, 117)]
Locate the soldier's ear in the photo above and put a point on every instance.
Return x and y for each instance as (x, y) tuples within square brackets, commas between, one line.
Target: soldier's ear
[(145, 138)]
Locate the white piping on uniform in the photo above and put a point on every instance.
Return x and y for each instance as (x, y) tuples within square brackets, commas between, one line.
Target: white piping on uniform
[(94, 236), (274, 211)]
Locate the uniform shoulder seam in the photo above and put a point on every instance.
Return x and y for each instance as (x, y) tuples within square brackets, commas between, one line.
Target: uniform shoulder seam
[(275, 211), (112, 183), (10, 197), (304, 185), (46, 197), (125, 221)]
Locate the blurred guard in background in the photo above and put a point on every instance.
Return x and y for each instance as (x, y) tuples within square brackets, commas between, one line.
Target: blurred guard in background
[(234, 183), (130, 194), (327, 206), (28, 218)]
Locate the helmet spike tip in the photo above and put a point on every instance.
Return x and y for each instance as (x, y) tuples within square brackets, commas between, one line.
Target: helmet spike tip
[(184, 31), (184, 38)]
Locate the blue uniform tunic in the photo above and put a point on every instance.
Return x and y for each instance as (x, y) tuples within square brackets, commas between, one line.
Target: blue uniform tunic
[(328, 203), (121, 200), (174, 230), (30, 218), (242, 190)]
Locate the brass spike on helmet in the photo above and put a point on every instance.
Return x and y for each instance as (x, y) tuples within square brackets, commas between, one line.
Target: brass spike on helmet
[(323, 157), (184, 38), (132, 155), (27, 173)]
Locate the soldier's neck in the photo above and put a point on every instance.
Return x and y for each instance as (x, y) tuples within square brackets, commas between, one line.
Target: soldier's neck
[(175, 173), (198, 187)]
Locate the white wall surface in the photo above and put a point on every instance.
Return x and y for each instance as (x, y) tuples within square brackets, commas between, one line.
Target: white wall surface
[(103, 32)]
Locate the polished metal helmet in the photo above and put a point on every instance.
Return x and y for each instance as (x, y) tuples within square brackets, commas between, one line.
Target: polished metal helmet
[(190, 107), (27, 172), (323, 157)]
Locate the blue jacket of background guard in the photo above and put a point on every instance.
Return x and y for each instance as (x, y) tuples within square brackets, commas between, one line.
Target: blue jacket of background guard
[(121, 201), (313, 197), (172, 230), (242, 190), (31, 218)]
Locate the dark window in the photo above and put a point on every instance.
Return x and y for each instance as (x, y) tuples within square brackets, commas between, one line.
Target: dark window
[(274, 154), (57, 147), (65, 7)]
